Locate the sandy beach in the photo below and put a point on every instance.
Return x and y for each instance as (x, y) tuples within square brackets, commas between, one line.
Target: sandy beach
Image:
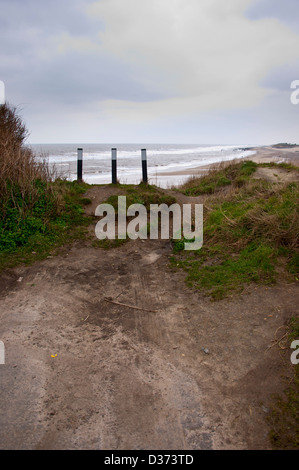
[(264, 154)]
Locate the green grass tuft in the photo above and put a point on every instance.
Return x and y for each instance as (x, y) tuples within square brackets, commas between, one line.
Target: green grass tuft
[(56, 218), (236, 174), (248, 233)]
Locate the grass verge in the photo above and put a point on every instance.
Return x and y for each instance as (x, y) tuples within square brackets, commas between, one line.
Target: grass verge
[(250, 232), (55, 219), (144, 194), (221, 176)]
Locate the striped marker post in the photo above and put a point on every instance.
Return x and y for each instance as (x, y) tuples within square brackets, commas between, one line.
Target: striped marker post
[(79, 164), (114, 168), (144, 165)]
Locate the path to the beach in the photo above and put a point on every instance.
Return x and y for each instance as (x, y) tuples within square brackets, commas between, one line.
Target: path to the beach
[(111, 350)]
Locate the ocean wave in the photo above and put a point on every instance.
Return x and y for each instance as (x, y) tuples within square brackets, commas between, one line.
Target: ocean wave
[(67, 156)]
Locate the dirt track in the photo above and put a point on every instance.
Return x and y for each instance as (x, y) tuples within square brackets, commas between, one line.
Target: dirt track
[(127, 378)]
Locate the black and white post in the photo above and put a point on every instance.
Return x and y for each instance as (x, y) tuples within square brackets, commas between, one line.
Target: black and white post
[(79, 164), (144, 165), (114, 166)]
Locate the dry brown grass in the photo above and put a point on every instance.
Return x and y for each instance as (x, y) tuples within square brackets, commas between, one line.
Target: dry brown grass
[(19, 167), (273, 216)]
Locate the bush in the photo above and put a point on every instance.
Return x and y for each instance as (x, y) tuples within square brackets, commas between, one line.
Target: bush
[(35, 211), (27, 200), (20, 170)]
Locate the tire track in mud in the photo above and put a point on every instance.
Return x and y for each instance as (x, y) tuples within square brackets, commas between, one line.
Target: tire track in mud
[(131, 379), (135, 403), (175, 420)]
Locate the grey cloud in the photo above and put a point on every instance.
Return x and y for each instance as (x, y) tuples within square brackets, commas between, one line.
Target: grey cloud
[(53, 85), (286, 11), (53, 16), (26, 26), (71, 77), (281, 77), (76, 78)]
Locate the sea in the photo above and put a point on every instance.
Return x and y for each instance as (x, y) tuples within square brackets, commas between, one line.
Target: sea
[(164, 161)]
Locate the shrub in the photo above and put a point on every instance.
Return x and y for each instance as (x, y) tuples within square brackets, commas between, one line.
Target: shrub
[(35, 211)]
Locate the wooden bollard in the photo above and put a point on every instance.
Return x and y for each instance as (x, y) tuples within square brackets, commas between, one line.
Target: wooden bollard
[(144, 165), (114, 165), (79, 164)]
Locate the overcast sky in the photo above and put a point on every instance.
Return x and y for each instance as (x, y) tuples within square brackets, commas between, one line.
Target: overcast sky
[(146, 71)]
